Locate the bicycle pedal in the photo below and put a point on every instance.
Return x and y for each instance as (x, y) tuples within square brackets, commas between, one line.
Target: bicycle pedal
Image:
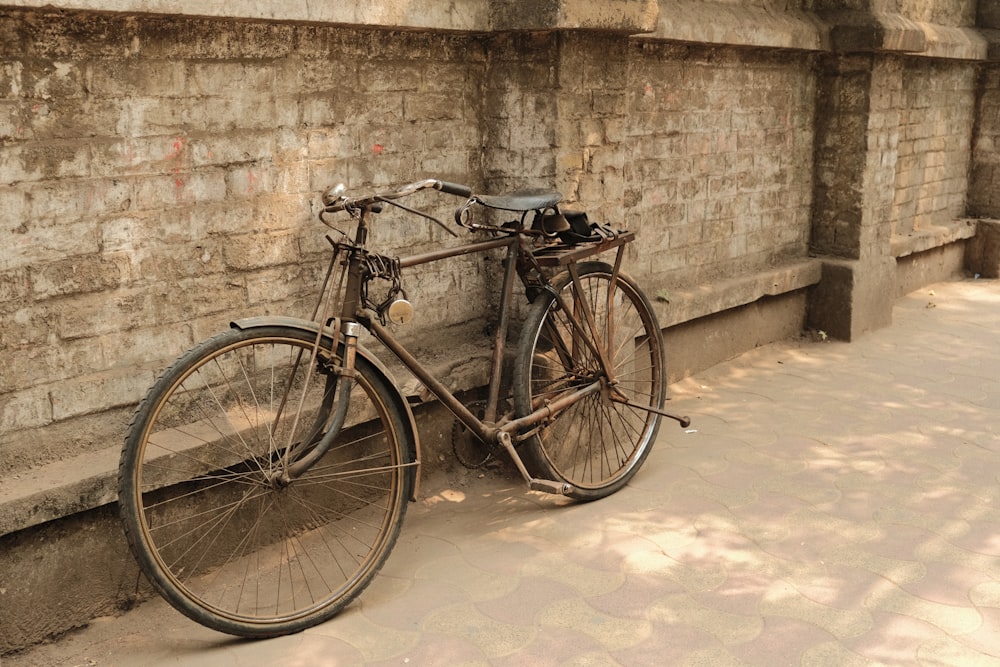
[(548, 486)]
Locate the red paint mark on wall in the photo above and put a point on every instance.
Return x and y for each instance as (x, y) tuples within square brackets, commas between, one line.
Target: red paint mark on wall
[(176, 155), (180, 143), (378, 149), (251, 183)]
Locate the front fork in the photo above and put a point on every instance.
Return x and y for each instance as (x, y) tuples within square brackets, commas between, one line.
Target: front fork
[(345, 374)]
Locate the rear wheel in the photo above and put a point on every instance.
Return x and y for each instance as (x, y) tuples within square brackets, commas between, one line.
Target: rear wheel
[(213, 523), (598, 443)]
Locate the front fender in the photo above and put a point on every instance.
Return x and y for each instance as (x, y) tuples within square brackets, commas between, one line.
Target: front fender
[(311, 327)]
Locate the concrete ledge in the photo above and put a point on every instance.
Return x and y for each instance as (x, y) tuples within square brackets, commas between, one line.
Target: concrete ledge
[(59, 489), (921, 240), (463, 15), (954, 43), (622, 16), (941, 264), (88, 481), (863, 32), (675, 307), (718, 23), (992, 38), (689, 21), (627, 16)]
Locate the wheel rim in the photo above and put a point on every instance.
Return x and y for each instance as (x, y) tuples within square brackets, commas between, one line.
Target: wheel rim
[(224, 531)]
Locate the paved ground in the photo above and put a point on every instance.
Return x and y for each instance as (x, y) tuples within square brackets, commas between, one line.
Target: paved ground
[(832, 504)]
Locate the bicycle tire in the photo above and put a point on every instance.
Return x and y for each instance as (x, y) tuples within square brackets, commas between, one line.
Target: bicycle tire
[(597, 444), (206, 517)]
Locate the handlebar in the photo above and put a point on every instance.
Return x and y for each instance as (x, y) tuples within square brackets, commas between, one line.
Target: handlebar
[(334, 199)]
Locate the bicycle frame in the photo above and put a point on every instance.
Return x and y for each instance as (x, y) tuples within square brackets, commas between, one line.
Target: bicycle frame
[(489, 429)]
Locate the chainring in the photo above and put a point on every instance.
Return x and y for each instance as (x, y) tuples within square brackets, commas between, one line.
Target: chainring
[(470, 451)]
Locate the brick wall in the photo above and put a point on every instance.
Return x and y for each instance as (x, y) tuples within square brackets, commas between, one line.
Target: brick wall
[(150, 198), (935, 128), (161, 174), (719, 160)]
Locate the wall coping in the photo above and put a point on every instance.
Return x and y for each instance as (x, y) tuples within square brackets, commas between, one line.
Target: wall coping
[(928, 238), (462, 15), (675, 307), (685, 21), (707, 22)]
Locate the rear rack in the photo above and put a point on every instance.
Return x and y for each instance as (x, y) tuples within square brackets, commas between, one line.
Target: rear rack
[(561, 254)]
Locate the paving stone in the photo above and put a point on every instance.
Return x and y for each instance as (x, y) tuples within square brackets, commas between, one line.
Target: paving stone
[(781, 641), (728, 628), (783, 599), (612, 633), (894, 639), (466, 622), (523, 604), (833, 653)]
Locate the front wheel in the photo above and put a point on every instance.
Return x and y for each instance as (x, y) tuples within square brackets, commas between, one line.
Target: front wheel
[(214, 523), (598, 443)]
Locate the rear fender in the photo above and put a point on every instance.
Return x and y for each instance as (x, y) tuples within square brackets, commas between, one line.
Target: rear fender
[(401, 404)]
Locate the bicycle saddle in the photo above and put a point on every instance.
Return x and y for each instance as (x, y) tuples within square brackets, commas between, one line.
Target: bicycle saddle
[(521, 200)]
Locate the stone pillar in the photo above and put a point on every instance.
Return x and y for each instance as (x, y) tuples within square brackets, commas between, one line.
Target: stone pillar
[(857, 131), (984, 195), (982, 255)]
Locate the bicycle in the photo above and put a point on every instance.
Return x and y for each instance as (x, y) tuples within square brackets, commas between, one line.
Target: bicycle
[(265, 475)]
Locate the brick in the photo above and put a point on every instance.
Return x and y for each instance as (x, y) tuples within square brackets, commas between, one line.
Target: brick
[(122, 77), (250, 251), (146, 346), (14, 284), (11, 78), (249, 181), (432, 107), (44, 363), (12, 127), (24, 409), (79, 275), (88, 394), (46, 160), (157, 193), (228, 78), (36, 241), (71, 199)]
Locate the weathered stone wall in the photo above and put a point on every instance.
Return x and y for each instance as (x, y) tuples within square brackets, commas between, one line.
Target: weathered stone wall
[(718, 164), (935, 130), (159, 180), (162, 177)]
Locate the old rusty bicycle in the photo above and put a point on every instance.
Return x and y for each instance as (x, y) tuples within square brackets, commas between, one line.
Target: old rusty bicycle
[(265, 476)]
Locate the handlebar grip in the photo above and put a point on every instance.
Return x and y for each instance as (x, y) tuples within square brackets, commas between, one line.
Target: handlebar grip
[(454, 189)]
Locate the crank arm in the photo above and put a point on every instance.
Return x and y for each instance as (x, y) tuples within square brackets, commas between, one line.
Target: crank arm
[(534, 484)]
